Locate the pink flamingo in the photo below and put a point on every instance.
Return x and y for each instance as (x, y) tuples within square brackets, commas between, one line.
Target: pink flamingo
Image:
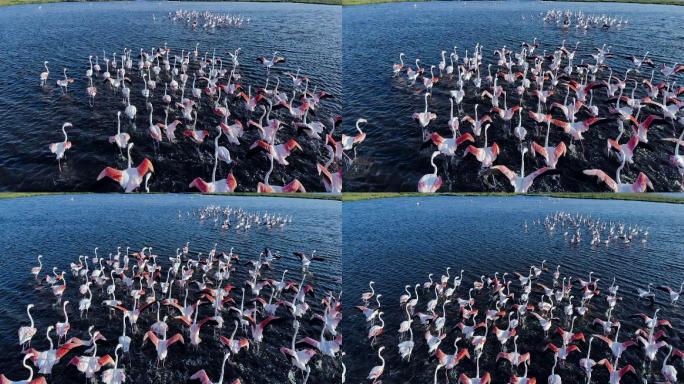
[(639, 186), (549, 153), (130, 178), (478, 123), (121, 139), (520, 183), (377, 371), (162, 345), (293, 186), (431, 182), (60, 148), (485, 155), (616, 375), (29, 380), (424, 118)]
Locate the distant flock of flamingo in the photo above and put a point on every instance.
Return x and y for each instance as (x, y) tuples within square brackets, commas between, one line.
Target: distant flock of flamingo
[(521, 92), (155, 305), (567, 19), (469, 329), (207, 20), (204, 94)]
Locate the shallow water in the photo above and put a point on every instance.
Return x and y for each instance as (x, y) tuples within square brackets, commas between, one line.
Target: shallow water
[(63, 227), (397, 242), (65, 34), (391, 158)]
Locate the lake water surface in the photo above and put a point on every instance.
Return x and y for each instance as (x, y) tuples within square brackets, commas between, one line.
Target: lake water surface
[(399, 241), (65, 34), (391, 158), (63, 227)]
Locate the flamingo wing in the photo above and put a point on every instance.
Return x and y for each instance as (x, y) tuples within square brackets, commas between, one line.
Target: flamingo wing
[(602, 177), (506, 172), (112, 173), (201, 376)]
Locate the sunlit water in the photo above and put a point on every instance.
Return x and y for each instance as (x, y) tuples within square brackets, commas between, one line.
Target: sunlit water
[(398, 242), (392, 159), (63, 227), (308, 36)]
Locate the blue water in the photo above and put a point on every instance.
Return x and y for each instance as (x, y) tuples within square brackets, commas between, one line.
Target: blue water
[(397, 242), (391, 159), (65, 34), (63, 227)]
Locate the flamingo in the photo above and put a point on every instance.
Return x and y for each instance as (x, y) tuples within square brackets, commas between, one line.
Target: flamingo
[(44, 75), (201, 375), (154, 129), (90, 365), (62, 328), (624, 150), (377, 371), (35, 271), (60, 148), (520, 183), (485, 155), (484, 379), (674, 295), (115, 375), (121, 139), (269, 63), (431, 182), (616, 347), (29, 380), (554, 378), (616, 375), (576, 129), (478, 123), (396, 68), (234, 345), (130, 178), (64, 83), (424, 118), (669, 372), (46, 360), (169, 129), (26, 333), (350, 142), (640, 184), (676, 159), (293, 186), (300, 358), (279, 152), (162, 344), (549, 153), (587, 363)]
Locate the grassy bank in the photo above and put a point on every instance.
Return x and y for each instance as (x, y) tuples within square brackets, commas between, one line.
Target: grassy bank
[(648, 197), (317, 196), (661, 2), (20, 2)]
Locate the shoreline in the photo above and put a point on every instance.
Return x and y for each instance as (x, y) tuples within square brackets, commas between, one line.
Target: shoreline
[(652, 197), (656, 2), (643, 197), (309, 195), (9, 3)]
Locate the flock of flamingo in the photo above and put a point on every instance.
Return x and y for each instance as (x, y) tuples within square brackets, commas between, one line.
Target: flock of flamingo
[(476, 331), (205, 97), (207, 20), (545, 102), (567, 19), (600, 232), (167, 310)]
